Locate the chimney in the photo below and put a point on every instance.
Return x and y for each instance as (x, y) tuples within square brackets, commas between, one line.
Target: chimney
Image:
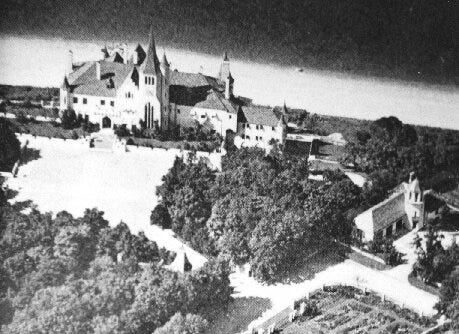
[(135, 58), (98, 70), (411, 177), (125, 53), (69, 63)]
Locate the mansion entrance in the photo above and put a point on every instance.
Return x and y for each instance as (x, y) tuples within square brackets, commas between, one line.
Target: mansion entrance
[(106, 122)]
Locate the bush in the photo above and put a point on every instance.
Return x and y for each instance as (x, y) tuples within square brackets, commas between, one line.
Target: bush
[(385, 249), (311, 309), (122, 131)]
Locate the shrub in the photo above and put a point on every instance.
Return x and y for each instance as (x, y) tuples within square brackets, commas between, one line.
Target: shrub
[(122, 131)]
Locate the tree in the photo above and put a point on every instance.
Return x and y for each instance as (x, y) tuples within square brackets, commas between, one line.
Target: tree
[(160, 216), (69, 119), (179, 324), (10, 148)]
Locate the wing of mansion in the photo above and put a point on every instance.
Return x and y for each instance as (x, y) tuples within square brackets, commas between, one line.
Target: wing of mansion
[(144, 92)]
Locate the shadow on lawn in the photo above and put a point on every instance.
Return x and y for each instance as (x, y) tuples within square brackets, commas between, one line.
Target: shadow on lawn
[(306, 269), (238, 315), (29, 154)]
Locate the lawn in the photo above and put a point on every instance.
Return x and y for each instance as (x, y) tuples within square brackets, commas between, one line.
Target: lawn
[(344, 309), (68, 175)]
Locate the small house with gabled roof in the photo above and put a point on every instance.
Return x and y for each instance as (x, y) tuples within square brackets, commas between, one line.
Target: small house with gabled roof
[(403, 209)]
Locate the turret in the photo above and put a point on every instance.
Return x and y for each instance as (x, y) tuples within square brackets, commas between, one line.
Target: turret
[(224, 68), (139, 55), (229, 84), (104, 52), (414, 202), (69, 66)]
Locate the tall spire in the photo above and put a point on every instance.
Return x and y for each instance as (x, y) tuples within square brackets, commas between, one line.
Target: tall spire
[(284, 108), (224, 68), (164, 60), (151, 62)]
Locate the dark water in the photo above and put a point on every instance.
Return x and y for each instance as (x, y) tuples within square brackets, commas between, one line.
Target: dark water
[(413, 39)]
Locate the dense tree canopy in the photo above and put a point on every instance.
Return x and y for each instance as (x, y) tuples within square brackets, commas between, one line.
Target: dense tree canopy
[(78, 275), (260, 209)]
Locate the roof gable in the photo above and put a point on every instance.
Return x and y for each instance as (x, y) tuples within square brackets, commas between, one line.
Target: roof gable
[(84, 80), (261, 115)]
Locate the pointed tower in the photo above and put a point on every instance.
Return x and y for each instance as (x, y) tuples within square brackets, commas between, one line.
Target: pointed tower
[(151, 62), (166, 75), (152, 87), (224, 68)]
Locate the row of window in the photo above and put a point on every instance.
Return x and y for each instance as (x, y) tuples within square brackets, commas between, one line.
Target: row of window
[(149, 80), (85, 101), (129, 95), (248, 137), (257, 127)]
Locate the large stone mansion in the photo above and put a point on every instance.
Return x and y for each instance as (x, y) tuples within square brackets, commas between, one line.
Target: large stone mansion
[(144, 92)]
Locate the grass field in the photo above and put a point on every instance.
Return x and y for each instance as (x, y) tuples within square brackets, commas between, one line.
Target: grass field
[(344, 309)]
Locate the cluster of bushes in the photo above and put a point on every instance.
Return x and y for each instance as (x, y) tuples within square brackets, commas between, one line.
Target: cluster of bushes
[(69, 120), (66, 274), (384, 248), (260, 209), (191, 138)]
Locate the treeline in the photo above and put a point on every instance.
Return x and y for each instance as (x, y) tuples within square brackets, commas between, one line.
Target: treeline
[(389, 150), (260, 209), (401, 39), (78, 275), (27, 93)]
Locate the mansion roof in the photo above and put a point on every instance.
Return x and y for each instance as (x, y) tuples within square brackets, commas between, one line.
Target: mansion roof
[(84, 80), (200, 91), (261, 115), (388, 211)]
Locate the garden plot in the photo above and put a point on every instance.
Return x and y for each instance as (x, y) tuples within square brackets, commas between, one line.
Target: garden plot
[(348, 310)]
